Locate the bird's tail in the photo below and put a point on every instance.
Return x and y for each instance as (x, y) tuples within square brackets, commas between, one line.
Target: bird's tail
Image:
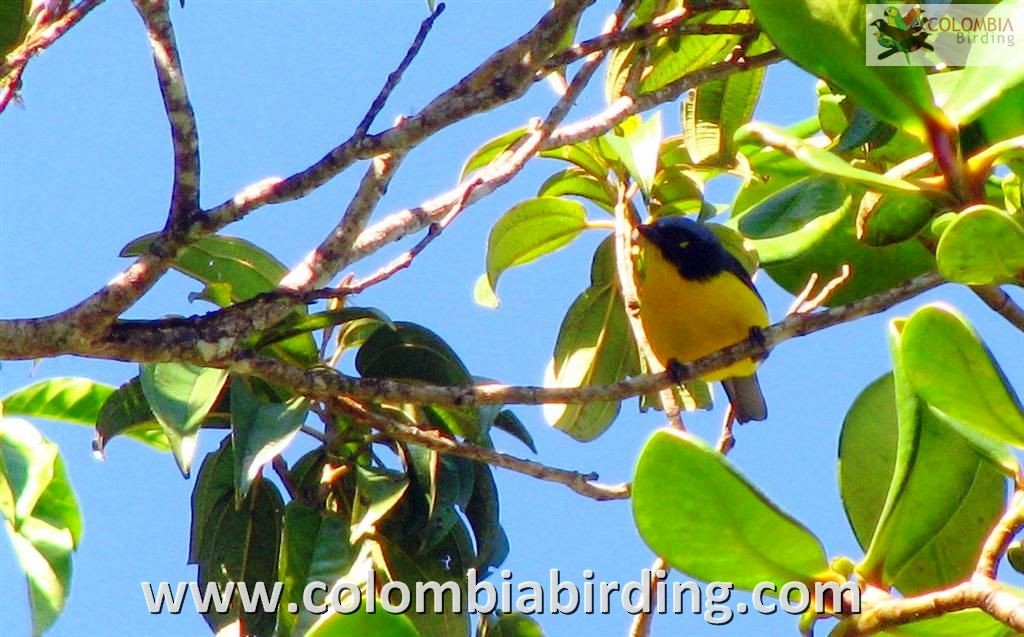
[(744, 393)]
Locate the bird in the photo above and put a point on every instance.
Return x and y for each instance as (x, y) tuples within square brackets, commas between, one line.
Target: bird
[(696, 298), (895, 40)]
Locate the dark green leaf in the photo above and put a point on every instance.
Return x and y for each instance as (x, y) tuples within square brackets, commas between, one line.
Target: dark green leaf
[(412, 352), (719, 527), (509, 625), (401, 566), (361, 622), (181, 395), (483, 516), (377, 492), (509, 422), (127, 412), (883, 220), (15, 21), (314, 548), (260, 431)]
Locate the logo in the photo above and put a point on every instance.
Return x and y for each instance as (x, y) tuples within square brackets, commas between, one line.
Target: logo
[(942, 35)]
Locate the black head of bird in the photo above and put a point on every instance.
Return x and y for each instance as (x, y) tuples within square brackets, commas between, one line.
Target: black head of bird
[(691, 246)]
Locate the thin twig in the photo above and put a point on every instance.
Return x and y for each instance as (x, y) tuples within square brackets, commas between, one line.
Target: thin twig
[(726, 440), (1001, 536), (14, 64), (395, 76), (803, 305), (642, 622), (1001, 303), (583, 483)]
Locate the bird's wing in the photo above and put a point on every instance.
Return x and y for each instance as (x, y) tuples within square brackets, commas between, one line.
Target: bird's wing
[(736, 268)]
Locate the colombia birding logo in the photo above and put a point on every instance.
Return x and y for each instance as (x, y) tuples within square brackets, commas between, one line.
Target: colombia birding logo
[(901, 32), (942, 35)]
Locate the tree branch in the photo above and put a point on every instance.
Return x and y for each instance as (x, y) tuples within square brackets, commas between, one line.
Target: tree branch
[(14, 64), (583, 483), (1001, 303)]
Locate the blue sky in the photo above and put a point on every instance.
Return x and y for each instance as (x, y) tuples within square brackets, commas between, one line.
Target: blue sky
[(86, 168)]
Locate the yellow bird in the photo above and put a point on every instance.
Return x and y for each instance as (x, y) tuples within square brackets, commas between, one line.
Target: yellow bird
[(695, 299)]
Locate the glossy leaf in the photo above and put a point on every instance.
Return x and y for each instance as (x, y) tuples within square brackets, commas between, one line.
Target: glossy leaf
[(952, 370), (361, 622), (803, 29), (482, 513), (126, 412), (260, 431), (933, 534), (638, 150), (788, 223), (818, 159), (233, 270), (892, 218), (715, 110), (594, 347), (181, 395), (410, 351), (377, 492), (509, 422), (988, 73), (314, 548), (982, 246), (356, 331), (400, 566), (235, 544), (530, 230), (670, 58), (579, 154), (719, 527), (76, 400), (579, 183), (509, 625), (41, 516)]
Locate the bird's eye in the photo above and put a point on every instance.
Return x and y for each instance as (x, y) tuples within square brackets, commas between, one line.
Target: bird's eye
[(683, 244)]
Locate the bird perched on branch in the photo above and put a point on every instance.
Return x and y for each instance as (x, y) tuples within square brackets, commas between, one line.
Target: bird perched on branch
[(696, 298)]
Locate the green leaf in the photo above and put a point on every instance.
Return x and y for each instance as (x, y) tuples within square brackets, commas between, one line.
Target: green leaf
[(952, 370), (41, 516), (893, 218), (314, 548), (986, 75), (181, 395), (594, 347), (15, 22), (299, 324), (412, 352), (715, 110), (377, 492), (400, 566), (790, 222), (670, 58), (509, 422), (509, 625), (356, 331), (530, 230), (982, 246), (638, 150), (579, 183), (76, 400), (127, 412), (233, 270), (818, 159), (719, 527), (235, 544), (260, 431), (581, 154), (873, 269), (932, 536), (361, 622), (803, 29), (482, 513)]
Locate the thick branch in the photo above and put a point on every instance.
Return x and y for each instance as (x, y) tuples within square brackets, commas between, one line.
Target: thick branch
[(1001, 303)]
